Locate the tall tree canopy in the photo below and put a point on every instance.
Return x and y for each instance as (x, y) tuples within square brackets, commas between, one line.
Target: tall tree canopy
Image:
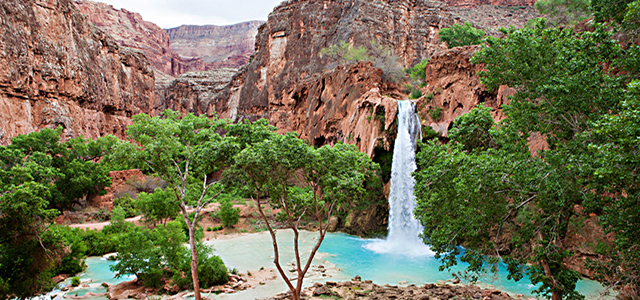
[(486, 192), (335, 176), (183, 151)]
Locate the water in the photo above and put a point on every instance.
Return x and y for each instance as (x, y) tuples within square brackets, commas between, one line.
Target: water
[(404, 228)]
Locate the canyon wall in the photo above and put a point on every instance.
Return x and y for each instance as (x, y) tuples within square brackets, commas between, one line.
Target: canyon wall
[(292, 85), (471, 3), (219, 46), (130, 30), (59, 70)]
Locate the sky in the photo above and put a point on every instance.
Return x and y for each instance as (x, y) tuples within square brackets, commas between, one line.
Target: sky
[(173, 13)]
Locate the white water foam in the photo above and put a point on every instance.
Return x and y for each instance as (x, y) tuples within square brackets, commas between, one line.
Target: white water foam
[(404, 228)]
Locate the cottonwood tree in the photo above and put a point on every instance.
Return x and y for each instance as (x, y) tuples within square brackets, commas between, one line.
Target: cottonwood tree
[(486, 192), (336, 176), (182, 152)]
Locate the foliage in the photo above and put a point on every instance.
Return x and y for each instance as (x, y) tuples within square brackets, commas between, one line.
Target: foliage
[(75, 281), (435, 113), (604, 10), (472, 129), (158, 206), (415, 94), (128, 204), (154, 255), (181, 151), (346, 53), (461, 35), (335, 176), (229, 215), (486, 192), (417, 72), (428, 133), (564, 12)]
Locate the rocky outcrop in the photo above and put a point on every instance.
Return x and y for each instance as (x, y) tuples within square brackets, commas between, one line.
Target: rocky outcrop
[(118, 180), (454, 87), (219, 46), (472, 3), (59, 70), (286, 81), (130, 30), (193, 92), (491, 18)]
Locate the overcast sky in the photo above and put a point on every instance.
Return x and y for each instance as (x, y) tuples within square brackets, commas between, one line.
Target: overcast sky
[(173, 13)]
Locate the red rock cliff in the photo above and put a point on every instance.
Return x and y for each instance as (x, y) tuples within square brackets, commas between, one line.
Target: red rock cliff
[(290, 84), (219, 46), (470, 3), (130, 30), (59, 70)]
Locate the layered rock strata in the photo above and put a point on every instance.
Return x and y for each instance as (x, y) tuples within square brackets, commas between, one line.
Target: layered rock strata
[(219, 46), (193, 92), (472, 3), (59, 70), (286, 81), (130, 30)]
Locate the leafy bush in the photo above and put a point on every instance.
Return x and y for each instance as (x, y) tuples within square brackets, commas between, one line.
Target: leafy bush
[(461, 35), (128, 204), (435, 113), (428, 133), (158, 206), (564, 12), (429, 97), (345, 53), (229, 215), (415, 94), (417, 73), (75, 281)]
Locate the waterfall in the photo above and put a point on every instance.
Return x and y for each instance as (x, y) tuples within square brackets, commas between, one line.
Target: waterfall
[(404, 228)]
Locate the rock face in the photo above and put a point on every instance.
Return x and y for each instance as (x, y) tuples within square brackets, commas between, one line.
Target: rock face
[(454, 87), (286, 81), (59, 70), (471, 3), (130, 30), (193, 92), (219, 46)]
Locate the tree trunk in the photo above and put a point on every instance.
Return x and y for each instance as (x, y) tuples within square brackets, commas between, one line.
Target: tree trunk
[(555, 295), (194, 263)]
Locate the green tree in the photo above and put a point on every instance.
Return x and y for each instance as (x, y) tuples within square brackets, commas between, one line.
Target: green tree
[(417, 72), (491, 181), (158, 206), (336, 176), (229, 215), (182, 152), (461, 35), (564, 12)]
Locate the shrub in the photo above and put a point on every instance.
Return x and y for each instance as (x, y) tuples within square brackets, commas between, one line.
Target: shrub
[(435, 113), (461, 35), (415, 94), (157, 206), (228, 214), (345, 53), (428, 97), (128, 204), (428, 133), (75, 281), (417, 73)]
